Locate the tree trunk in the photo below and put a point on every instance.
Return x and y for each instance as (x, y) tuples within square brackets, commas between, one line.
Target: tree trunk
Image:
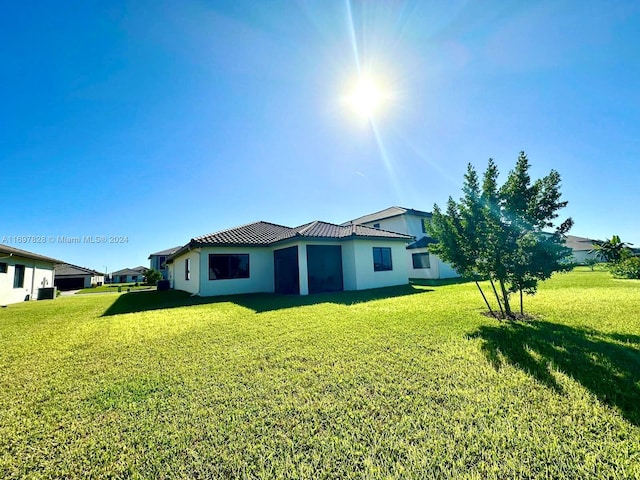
[(495, 292), (505, 298), (521, 304), (485, 298)]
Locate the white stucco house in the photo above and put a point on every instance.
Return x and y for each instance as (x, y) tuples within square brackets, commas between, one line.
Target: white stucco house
[(73, 277), (23, 274), (421, 263), (158, 261), (581, 249), (312, 258)]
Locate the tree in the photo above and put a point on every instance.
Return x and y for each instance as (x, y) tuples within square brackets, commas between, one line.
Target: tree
[(501, 233), (152, 276), (612, 250)]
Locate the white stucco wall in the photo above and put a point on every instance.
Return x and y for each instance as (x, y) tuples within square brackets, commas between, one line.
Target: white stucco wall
[(37, 274), (366, 277), (394, 224), (193, 284), (446, 270), (581, 256), (261, 275)]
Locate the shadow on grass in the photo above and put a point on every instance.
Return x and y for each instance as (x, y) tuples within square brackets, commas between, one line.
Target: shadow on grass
[(258, 302), (438, 282), (608, 365)]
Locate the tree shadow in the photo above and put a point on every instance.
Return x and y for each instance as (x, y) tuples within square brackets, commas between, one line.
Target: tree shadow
[(608, 365), (258, 302)]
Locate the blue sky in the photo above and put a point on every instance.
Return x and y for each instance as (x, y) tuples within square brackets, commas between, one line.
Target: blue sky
[(161, 121)]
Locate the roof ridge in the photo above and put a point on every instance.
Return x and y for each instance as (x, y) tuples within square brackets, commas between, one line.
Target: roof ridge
[(238, 227), (77, 266)]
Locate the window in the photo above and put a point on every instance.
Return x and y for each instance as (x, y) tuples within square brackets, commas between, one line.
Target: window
[(425, 222), (382, 259), (3, 267), (223, 267), (187, 269), (18, 276), (376, 225), (162, 262), (421, 260)]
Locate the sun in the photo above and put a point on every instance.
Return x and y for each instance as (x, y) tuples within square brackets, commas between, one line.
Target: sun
[(366, 97)]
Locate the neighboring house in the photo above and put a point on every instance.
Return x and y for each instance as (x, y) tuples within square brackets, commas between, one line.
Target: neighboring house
[(313, 258), (421, 263), (128, 275), (23, 273), (73, 277), (158, 261), (581, 248)]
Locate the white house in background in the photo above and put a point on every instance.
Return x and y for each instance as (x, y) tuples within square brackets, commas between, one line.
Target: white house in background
[(73, 277), (313, 258), (23, 273), (581, 248), (158, 261), (128, 275), (421, 263)]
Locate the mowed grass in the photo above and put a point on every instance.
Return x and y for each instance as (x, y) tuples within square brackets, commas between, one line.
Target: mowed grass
[(353, 385)]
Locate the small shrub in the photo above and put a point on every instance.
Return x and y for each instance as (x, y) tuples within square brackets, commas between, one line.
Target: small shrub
[(591, 262), (628, 268)]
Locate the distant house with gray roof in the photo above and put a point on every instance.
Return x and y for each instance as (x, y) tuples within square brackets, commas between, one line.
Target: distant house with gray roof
[(158, 261), (581, 248), (73, 277), (128, 275), (312, 258)]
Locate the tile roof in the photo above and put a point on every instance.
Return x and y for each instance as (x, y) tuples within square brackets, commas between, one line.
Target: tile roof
[(6, 251), (422, 243), (67, 269), (579, 243), (387, 213), (126, 271), (251, 234), (168, 251), (262, 234)]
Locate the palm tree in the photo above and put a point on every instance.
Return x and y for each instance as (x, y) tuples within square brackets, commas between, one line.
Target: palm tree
[(610, 250)]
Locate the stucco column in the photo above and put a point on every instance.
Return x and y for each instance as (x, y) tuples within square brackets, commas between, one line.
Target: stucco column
[(303, 273)]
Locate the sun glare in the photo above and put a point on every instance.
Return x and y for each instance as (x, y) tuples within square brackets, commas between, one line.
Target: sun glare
[(367, 97)]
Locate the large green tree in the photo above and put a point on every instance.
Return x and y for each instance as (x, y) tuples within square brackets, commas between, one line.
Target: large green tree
[(506, 234)]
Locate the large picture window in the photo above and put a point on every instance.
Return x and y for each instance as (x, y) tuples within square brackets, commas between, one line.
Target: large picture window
[(18, 276), (223, 267), (382, 259), (421, 260)]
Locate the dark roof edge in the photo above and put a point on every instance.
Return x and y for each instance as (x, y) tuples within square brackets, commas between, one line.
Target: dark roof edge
[(7, 251)]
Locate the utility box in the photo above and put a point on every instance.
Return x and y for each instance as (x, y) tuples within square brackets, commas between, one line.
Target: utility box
[(48, 293)]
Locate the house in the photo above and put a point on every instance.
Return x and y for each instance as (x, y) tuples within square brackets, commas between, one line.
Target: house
[(128, 275), (158, 261), (421, 263), (23, 274), (581, 248), (312, 258), (73, 277)]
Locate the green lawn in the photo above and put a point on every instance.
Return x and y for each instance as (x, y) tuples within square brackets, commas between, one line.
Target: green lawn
[(355, 385)]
